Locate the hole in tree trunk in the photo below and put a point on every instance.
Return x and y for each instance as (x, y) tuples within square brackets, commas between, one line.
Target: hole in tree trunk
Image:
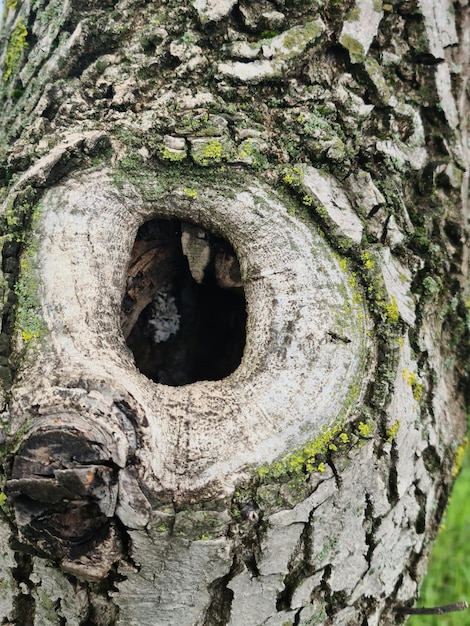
[(184, 312)]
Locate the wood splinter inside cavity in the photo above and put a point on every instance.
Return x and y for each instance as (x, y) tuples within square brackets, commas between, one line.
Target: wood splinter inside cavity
[(183, 314)]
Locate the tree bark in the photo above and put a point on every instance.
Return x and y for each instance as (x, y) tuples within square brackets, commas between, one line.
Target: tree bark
[(234, 334)]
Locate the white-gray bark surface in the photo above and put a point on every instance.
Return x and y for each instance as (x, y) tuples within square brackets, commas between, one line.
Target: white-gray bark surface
[(309, 157)]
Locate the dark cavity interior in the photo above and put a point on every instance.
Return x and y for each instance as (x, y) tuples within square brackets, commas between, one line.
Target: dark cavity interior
[(184, 311)]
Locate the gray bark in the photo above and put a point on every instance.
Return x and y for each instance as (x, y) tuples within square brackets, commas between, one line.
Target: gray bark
[(310, 158)]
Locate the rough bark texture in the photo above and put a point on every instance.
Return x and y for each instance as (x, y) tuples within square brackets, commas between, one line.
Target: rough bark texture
[(311, 160)]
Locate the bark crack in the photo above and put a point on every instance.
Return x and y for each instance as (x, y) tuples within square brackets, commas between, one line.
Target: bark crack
[(298, 570), (218, 612), (23, 603)]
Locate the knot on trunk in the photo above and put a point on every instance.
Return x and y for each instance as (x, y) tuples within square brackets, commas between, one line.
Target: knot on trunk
[(64, 486)]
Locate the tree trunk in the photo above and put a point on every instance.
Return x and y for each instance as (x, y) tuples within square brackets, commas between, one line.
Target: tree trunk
[(234, 333)]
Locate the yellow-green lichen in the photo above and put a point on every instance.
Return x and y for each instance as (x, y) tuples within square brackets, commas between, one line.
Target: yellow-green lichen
[(368, 261), (306, 459), (249, 151), (391, 311), (322, 212), (245, 149), (10, 5), (365, 429), (412, 381), (392, 432), (172, 155), (351, 312), (376, 293), (15, 48), (213, 150), (293, 176), (191, 193)]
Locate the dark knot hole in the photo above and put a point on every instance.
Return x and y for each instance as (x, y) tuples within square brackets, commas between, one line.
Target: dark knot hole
[(184, 312)]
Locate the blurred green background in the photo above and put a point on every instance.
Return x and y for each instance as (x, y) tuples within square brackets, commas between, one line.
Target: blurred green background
[(448, 577)]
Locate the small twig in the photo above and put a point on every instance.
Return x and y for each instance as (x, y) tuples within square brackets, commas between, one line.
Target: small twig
[(435, 610)]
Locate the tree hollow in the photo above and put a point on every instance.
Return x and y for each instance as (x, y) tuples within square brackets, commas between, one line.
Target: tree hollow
[(184, 310)]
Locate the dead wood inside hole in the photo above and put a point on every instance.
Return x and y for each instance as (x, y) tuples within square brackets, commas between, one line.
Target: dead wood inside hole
[(184, 311)]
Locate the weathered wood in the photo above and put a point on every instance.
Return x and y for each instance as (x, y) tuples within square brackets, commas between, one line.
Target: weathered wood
[(305, 166)]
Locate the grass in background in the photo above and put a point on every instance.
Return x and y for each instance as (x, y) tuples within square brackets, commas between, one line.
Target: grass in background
[(448, 577)]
